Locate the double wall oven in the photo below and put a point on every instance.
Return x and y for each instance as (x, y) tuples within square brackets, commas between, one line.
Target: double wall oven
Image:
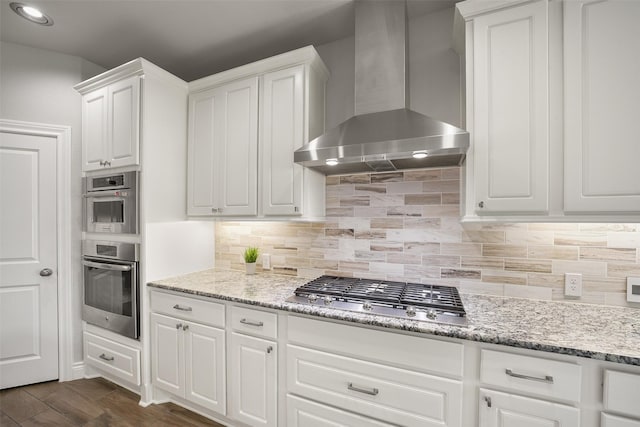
[(111, 288), (110, 266)]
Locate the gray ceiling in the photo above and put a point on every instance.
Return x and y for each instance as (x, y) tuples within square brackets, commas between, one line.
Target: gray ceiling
[(189, 38)]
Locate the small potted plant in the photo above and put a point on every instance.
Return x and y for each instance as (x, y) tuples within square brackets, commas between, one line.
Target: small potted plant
[(250, 258)]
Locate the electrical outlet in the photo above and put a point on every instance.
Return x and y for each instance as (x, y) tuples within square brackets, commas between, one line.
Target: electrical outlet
[(572, 285), (266, 262)]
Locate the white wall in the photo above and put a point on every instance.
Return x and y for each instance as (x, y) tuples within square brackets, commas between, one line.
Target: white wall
[(434, 68), (434, 71), (37, 86)]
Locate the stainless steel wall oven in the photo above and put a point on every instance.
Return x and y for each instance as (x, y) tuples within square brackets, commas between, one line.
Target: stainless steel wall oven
[(111, 203), (111, 288)]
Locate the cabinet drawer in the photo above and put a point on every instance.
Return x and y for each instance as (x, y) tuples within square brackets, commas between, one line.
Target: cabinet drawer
[(379, 391), (612, 421), (549, 378), (410, 352), (112, 357), (254, 322), (621, 393), (302, 413), (197, 310)]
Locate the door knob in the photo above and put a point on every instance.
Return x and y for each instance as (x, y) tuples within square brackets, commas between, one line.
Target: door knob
[(46, 272)]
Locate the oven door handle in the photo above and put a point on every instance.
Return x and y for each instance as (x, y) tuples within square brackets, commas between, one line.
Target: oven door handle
[(113, 267)]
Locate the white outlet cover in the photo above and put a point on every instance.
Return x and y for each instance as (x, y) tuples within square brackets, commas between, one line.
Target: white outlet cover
[(573, 285), (633, 289)]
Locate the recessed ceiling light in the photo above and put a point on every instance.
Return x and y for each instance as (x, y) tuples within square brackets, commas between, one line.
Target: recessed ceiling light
[(331, 162), (421, 154), (31, 13)]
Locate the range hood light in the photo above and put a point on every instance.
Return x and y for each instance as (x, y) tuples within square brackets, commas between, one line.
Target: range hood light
[(331, 162), (31, 13), (421, 154)]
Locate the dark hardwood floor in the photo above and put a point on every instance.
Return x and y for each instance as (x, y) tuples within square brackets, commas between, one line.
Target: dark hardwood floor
[(92, 403)]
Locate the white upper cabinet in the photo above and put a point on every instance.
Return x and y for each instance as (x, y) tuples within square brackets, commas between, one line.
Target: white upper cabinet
[(244, 125), (223, 150), (602, 92), (110, 125), (552, 91), (510, 110), (282, 133)]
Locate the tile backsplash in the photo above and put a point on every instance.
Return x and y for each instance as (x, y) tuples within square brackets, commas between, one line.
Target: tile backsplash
[(406, 226)]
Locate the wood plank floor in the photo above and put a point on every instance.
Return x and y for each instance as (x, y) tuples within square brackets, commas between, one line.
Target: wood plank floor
[(91, 403)]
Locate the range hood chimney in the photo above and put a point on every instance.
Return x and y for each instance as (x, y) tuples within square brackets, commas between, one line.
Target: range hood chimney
[(384, 134)]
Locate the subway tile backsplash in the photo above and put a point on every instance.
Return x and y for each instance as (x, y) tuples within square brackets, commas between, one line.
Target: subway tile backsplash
[(405, 226)]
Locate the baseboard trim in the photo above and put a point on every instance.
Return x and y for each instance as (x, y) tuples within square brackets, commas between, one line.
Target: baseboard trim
[(77, 371)]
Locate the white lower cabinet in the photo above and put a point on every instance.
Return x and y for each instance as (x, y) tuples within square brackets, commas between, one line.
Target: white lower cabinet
[(306, 413), (373, 374), (609, 420), (188, 360), (113, 358), (253, 387), (510, 410)]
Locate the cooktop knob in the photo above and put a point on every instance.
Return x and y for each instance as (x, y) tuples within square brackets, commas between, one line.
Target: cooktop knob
[(327, 300), (312, 298), (411, 311), (431, 314), (367, 306)]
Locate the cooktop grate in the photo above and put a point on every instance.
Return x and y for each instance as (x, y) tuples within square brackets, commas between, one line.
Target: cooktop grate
[(393, 294)]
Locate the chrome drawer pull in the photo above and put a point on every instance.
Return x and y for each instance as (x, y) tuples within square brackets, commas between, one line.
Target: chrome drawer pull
[(251, 322), (178, 307), (105, 357), (371, 391), (547, 378)]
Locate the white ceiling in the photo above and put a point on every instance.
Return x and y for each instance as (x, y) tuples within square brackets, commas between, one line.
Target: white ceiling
[(190, 38)]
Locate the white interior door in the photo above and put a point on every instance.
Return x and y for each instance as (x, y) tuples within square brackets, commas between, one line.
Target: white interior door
[(28, 247)]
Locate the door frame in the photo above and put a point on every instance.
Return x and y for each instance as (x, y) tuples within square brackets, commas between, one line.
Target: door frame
[(62, 136)]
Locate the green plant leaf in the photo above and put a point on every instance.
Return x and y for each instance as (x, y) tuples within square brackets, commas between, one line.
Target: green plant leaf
[(251, 254)]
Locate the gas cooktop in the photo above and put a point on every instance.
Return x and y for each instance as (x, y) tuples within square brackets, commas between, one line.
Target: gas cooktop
[(432, 303)]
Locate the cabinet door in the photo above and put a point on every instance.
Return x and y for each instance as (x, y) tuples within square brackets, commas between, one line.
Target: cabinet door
[(607, 420), (235, 146), (200, 168), (253, 373), (124, 120), (282, 133), (510, 110), (602, 90), (167, 354), (94, 129), (510, 410), (205, 366)]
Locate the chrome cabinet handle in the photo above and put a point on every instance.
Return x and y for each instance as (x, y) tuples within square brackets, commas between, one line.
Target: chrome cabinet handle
[(488, 400), (214, 210), (46, 272), (546, 379), (251, 322), (269, 349), (369, 391), (185, 327), (105, 357), (481, 205), (179, 325), (179, 307)]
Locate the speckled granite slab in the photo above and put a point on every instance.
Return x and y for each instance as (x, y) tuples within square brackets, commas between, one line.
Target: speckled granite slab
[(597, 332)]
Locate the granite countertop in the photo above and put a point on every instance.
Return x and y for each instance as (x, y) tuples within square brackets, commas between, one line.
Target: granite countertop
[(597, 332)]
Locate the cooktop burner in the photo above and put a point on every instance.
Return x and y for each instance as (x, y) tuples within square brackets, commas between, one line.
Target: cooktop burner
[(435, 303)]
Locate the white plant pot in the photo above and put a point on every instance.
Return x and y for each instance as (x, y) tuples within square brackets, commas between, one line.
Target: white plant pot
[(251, 267)]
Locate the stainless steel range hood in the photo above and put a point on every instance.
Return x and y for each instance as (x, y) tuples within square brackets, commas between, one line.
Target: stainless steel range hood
[(384, 135)]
